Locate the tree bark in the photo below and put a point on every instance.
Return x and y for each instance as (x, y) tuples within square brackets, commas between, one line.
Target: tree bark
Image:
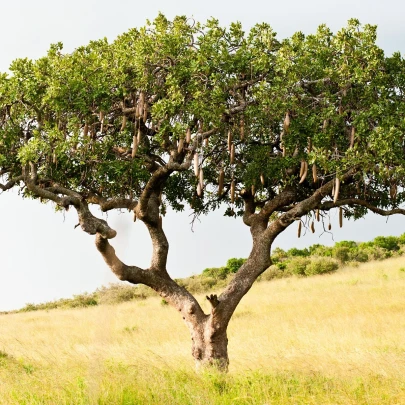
[(210, 345)]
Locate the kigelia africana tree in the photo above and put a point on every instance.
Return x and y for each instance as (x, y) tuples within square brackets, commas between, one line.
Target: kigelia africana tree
[(179, 113)]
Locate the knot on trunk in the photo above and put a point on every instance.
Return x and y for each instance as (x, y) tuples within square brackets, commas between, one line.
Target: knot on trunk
[(213, 300)]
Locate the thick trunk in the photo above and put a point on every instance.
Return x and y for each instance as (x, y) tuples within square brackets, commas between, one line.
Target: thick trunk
[(210, 345)]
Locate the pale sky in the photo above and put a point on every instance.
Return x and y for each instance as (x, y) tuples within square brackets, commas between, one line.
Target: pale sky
[(42, 256)]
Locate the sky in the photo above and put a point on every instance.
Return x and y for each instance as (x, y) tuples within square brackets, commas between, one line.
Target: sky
[(43, 257)]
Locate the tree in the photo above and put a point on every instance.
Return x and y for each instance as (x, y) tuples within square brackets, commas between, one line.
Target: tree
[(179, 112)]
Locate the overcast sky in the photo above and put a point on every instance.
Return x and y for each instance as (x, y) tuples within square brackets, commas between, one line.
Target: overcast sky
[(42, 256)]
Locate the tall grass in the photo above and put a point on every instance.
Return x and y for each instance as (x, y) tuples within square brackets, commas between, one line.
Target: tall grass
[(330, 339)]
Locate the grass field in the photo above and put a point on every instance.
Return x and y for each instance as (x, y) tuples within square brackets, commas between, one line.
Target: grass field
[(332, 339)]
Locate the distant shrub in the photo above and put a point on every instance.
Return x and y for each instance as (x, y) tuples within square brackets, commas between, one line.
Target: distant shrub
[(359, 256), (199, 284), (376, 252), (389, 243), (281, 265), (321, 265), (293, 252), (401, 239), (219, 273), (341, 253), (29, 307), (117, 293), (320, 250), (278, 255), (297, 266), (271, 273), (346, 243), (233, 265), (81, 301)]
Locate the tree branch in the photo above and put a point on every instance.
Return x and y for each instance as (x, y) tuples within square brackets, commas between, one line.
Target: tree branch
[(355, 201), (88, 222), (286, 197), (134, 275), (11, 183), (113, 203)]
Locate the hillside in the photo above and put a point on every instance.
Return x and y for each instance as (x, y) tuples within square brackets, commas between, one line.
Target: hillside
[(328, 339), (317, 259)]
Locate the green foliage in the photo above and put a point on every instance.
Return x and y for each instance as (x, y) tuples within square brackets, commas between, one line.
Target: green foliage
[(233, 265), (221, 273), (389, 243), (401, 239), (63, 113), (321, 265), (273, 272), (297, 266), (116, 293), (298, 252), (218, 273), (341, 253)]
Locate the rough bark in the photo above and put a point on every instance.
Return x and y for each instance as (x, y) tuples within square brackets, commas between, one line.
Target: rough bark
[(210, 344)]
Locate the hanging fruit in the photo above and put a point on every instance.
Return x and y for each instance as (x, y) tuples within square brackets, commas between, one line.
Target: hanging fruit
[(229, 140), (352, 134), (340, 217), (141, 104), (304, 168), (201, 178), (299, 228), (242, 129), (233, 191), (181, 145), (199, 189), (221, 181), (134, 146), (337, 188), (124, 122), (314, 173), (232, 158), (145, 112), (393, 191), (196, 164), (262, 179)]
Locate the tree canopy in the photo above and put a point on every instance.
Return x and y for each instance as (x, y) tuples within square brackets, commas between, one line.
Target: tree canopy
[(333, 101), (183, 113)]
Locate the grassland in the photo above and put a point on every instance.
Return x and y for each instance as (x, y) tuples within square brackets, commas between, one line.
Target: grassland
[(332, 339)]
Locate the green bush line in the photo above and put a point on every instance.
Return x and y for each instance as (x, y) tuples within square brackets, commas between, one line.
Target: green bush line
[(317, 259)]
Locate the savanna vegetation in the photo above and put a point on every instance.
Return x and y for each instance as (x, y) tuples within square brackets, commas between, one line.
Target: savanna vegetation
[(317, 259), (183, 113), (331, 339)]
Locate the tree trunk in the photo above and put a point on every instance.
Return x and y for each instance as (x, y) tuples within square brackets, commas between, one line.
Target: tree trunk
[(210, 345)]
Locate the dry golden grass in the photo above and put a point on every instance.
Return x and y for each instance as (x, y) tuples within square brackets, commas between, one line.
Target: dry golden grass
[(339, 327)]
